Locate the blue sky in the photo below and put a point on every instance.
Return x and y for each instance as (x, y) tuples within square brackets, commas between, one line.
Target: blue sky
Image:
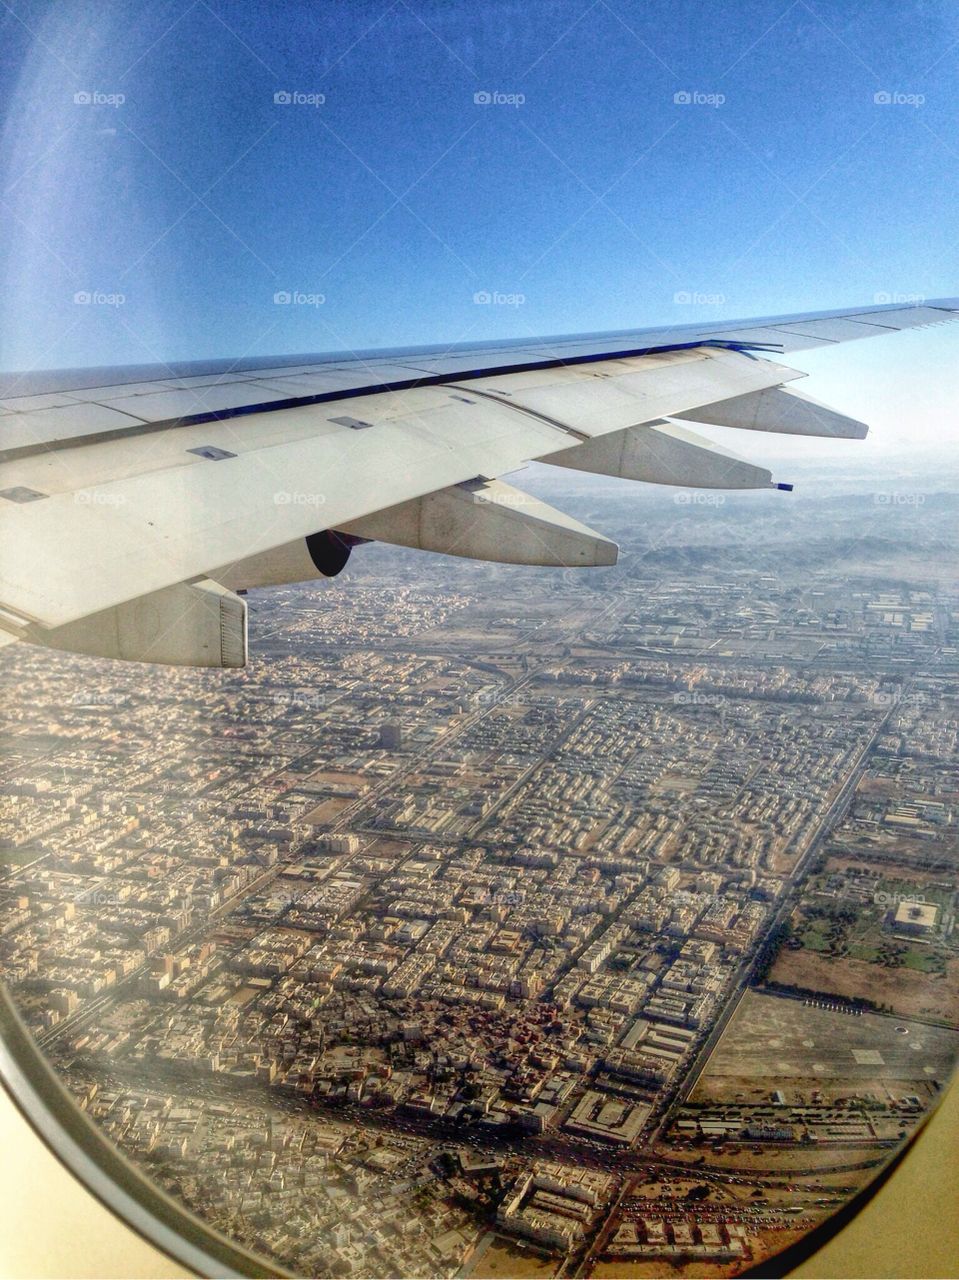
[(386, 196)]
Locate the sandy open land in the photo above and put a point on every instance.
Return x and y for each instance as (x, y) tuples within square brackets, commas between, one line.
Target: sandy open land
[(908, 991), (773, 1042)]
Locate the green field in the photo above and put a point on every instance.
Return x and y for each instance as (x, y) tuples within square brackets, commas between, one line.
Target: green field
[(857, 931)]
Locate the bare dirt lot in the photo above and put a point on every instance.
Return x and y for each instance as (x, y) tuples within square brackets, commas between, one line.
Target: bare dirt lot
[(789, 1161), (504, 1261), (326, 812), (774, 1042), (909, 992)]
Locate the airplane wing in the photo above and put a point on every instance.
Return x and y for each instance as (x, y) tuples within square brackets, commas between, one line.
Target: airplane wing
[(135, 503)]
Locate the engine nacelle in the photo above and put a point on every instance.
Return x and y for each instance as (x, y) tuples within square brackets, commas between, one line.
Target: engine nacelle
[(321, 555)]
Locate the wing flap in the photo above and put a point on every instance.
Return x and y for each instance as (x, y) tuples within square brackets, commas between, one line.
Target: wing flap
[(197, 624), (489, 520), (664, 453)]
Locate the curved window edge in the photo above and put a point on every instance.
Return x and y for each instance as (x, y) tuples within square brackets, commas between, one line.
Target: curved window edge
[(74, 1139), (780, 1265)]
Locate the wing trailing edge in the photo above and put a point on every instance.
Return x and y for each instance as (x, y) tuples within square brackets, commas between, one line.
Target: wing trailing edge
[(489, 520), (199, 624)]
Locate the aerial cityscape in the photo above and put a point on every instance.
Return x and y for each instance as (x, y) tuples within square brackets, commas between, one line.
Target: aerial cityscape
[(502, 922)]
